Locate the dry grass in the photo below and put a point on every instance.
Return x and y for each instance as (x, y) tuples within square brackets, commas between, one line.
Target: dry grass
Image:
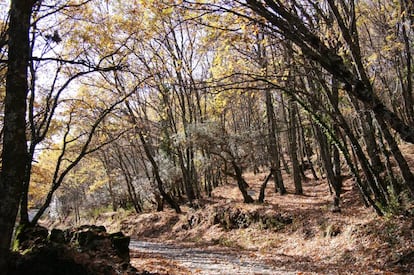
[(144, 262), (354, 241)]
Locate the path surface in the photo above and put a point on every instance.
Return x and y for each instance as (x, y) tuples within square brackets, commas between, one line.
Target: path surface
[(208, 260)]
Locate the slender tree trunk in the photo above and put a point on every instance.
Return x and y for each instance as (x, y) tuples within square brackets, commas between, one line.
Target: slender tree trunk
[(306, 152), (395, 150), (128, 179), (14, 155), (325, 156), (273, 145), (24, 212), (242, 184), (285, 119), (112, 194), (170, 200), (293, 147), (103, 157), (368, 133), (284, 161), (407, 83), (263, 188), (186, 173), (336, 161), (372, 180), (390, 173)]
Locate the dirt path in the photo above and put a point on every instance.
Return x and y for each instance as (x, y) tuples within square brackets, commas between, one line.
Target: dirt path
[(204, 261), (317, 241)]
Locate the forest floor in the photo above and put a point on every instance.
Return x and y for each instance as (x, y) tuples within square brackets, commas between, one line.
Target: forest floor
[(314, 240), (306, 237)]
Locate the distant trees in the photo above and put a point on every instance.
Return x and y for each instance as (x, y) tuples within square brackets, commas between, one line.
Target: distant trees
[(291, 86), (31, 54), (331, 71), (47, 97), (355, 78)]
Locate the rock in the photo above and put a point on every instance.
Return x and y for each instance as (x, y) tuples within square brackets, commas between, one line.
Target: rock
[(97, 228), (234, 218), (29, 236), (121, 244), (88, 249), (57, 236), (47, 260)]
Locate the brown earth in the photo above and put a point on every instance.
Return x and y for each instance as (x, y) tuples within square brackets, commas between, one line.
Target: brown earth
[(316, 240), (355, 241)]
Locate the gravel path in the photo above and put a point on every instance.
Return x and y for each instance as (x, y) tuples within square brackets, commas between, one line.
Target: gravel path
[(209, 260)]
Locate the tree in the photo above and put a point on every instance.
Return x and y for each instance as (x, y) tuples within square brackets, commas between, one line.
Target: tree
[(274, 145), (332, 40), (293, 143), (290, 24), (69, 63), (14, 154)]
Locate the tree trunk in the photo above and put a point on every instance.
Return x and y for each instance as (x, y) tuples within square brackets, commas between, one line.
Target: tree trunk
[(324, 148), (242, 184), (372, 180), (170, 200), (24, 212), (14, 155), (341, 146), (395, 150), (284, 115), (336, 161), (293, 28), (263, 188), (186, 173), (306, 152), (407, 83), (293, 147), (103, 157), (273, 145), (368, 133), (396, 186)]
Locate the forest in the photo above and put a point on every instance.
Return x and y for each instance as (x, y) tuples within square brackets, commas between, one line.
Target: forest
[(150, 106)]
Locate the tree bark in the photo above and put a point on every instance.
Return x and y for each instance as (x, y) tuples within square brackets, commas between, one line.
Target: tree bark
[(241, 183), (293, 147), (273, 145), (168, 198), (263, 187), (306, 152), (368, 133), (336, 160), (407, 83), (14, 155), (395, 150)]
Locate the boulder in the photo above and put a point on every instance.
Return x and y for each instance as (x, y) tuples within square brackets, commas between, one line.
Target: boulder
[(88, 249), (57, 236), (120, 243), (29, 236)]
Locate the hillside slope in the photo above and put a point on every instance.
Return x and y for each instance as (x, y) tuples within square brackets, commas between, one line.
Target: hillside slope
[(299, 232)]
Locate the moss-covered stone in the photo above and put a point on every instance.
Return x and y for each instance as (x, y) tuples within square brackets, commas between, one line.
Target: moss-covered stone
[(28, 236)]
